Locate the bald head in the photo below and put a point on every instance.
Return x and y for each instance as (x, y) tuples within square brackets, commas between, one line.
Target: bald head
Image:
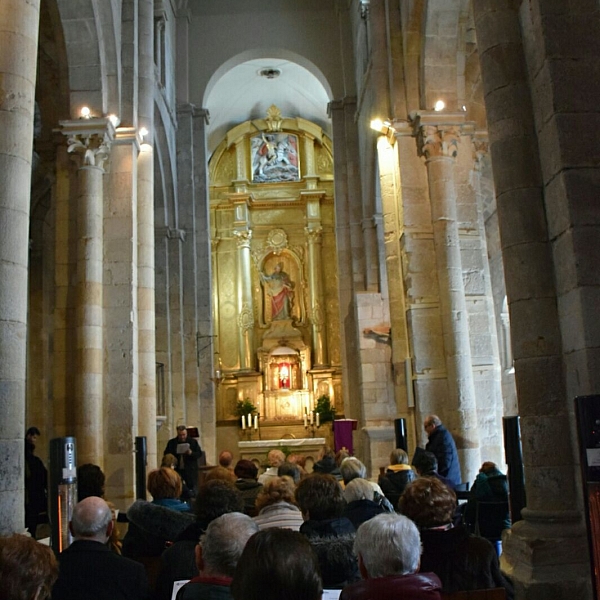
[(226, 459), (92, 520)]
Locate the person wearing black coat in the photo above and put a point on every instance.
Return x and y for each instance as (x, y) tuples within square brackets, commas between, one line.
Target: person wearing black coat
[(462, 561), (187, 462), (330, 534), (441, 444), (360, 507), (397, 476), (88, 568), (215, 498)]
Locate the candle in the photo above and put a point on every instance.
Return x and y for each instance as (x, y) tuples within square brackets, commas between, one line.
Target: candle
[(243, 421), (312, 417), (318, 420), (305, 420), (255, 422)]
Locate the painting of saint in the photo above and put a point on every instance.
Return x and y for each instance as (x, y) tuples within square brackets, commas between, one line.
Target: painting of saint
[(280, 290)]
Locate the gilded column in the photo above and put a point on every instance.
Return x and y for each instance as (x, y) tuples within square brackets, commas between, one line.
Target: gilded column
[(438, 143), (315, 282), (18, 59), (243, 233), (89, 141)]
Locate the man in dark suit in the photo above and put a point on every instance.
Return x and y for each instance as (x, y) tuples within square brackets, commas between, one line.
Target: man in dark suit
[(89, 570), (187, 457)]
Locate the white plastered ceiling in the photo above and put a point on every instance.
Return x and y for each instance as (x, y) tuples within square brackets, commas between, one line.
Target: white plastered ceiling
[(242, 93)]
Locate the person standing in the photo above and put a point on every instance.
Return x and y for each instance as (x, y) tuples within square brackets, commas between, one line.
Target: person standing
[(441, 445), (188, 451), (36, 483)]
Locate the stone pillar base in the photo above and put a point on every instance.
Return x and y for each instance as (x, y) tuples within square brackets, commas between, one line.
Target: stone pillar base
[(546, 556), (376, 443)]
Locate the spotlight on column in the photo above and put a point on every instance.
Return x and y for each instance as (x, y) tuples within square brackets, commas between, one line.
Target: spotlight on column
[(85, 112), (439, 105), (384, 128), (377, 125)]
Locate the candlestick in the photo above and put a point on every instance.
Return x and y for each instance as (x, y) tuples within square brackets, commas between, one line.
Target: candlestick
[(312, 417), (255, 422), (305, 420), (318, 420), (243, 421)]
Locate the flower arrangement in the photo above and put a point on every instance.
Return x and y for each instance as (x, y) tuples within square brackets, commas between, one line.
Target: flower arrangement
[(325, 409)]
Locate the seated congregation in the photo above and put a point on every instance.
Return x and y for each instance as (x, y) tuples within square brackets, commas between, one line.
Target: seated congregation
[(287, 535)]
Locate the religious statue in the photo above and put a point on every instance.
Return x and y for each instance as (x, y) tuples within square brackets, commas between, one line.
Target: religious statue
[(274, 157), (280, 288)]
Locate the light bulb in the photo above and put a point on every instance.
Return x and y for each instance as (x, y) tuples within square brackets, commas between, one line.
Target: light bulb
[(439, 105)]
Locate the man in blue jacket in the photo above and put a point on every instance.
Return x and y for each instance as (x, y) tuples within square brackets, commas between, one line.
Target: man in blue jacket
[(441, 445)]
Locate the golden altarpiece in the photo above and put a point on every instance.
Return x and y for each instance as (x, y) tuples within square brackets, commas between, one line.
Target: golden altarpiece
[(274, 270)]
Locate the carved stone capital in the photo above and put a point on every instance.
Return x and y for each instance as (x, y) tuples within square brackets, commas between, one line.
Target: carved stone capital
[(89, 139), (243, 238), (435, 141), (481, 147), (93, 149)]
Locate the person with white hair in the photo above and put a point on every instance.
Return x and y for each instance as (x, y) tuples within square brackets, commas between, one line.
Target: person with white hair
[(389, 553), (88, 568), (360, 505), (217, 556)]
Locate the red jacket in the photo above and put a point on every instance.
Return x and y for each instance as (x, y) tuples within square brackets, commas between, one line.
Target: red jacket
[(420, 586)]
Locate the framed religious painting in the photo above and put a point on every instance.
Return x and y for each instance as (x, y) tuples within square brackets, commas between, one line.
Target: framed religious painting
[(274, 157)]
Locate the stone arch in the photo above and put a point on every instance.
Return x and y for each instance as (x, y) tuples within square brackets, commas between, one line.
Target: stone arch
[(254, 53), (93, 55), (442, 68)]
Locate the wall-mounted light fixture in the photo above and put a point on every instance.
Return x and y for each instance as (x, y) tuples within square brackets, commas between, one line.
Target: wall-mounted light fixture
[(439, 105), (385, 128), (114, 120), (85, 112)]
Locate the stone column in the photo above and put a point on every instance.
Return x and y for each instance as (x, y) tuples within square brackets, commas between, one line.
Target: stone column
[(145, 223), (204, 300), (315, 283), (146, 296), (348, 342), (438, 143), (89, 140), (18, 59), (121, 359), (243, 233), (547, 553)]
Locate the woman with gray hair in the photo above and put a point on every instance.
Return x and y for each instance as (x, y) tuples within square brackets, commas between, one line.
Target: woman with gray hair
[(360, 506), (389, 552)]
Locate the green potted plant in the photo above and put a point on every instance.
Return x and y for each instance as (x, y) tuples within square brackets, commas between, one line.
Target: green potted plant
[(325, 409), (245, 408)]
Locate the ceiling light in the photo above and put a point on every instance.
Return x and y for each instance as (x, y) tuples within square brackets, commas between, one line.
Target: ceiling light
[(270, 73)]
